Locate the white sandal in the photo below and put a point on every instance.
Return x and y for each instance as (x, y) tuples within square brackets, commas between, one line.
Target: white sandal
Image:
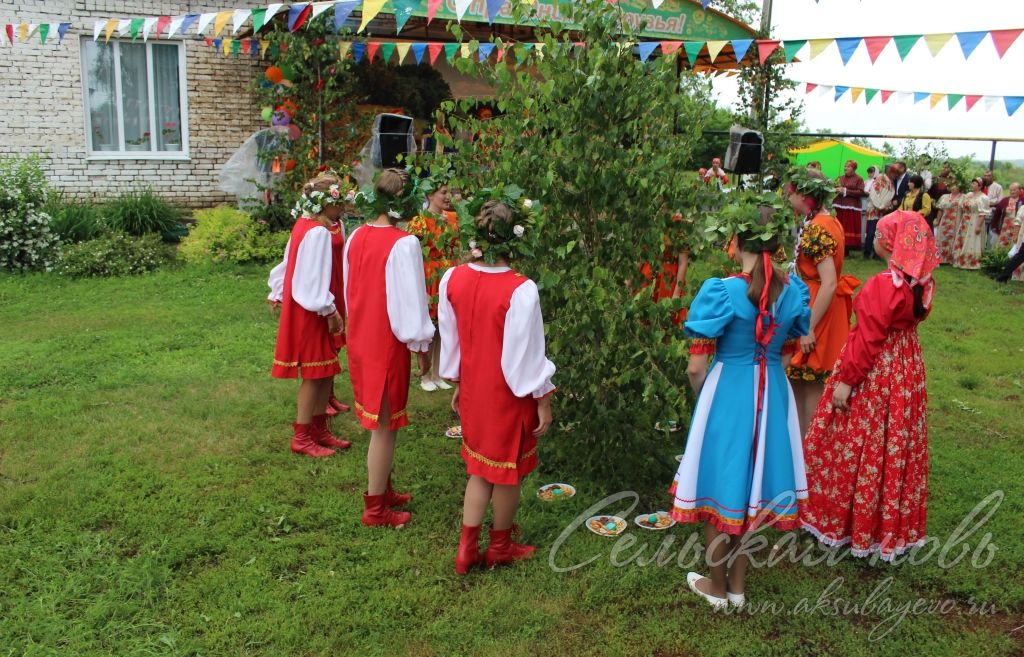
[(428, 386), (737, 600), (714, 601)]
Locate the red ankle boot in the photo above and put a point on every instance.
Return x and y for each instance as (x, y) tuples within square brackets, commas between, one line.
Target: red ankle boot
[(304, 443), (468, 555), (394, 498), (330, 411), (377, 513), (337, 405), (323, 436), (502, 550)]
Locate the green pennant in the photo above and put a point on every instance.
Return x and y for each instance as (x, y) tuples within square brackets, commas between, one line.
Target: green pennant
[(449, 51), (905, 43), (953, 99), (236, 47), (274, 51), (386, 50), (869, 94), (791, 48), (403, 11), (136, 26), (693, 49), (44, 29), (259, 16)]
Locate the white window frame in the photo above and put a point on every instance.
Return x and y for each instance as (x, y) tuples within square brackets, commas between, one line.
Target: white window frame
[(183, 154)]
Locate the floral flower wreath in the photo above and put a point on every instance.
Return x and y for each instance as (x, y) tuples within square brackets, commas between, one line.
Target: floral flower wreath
[(407, 205), (512, 239), (313, 203)]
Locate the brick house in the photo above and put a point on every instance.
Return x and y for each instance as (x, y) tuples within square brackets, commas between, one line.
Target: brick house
[(86, 105)]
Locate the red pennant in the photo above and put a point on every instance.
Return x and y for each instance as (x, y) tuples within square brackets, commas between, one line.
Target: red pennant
[(501, 53), (161, 25), (669, 47), (303, 17), (1003, 39), (371, 50), (10, 33), (434, 49), (972, 101), (876, 45), (811, 87), (209, 42), (886, 94), (432, 7), (766, 47)]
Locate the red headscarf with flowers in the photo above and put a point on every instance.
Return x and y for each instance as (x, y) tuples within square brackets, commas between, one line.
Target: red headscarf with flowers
[(914, 254)]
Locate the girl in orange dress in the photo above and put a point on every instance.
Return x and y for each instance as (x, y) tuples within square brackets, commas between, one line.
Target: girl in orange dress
[(819, 262), (675, 261), (438, 229)]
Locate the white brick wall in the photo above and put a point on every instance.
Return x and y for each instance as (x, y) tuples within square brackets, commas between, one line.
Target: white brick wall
[(41, 104)]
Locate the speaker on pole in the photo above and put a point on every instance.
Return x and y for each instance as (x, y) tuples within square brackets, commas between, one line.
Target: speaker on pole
[(392, 136), (744, 152)]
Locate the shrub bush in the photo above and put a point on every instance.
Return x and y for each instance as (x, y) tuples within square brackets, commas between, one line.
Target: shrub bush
[(114, 254), (994, 261), (26, 240), (141, 212), (224, 234), (74, 221)]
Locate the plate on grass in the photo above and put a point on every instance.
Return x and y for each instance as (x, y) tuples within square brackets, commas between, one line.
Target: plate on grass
[(555, 492), (657, 521), (454, 432), (670, 426), (606, 525)]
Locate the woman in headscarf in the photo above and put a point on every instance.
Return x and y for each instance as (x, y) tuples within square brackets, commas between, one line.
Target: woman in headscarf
[(867, 449), (847, 204), (879, 200)]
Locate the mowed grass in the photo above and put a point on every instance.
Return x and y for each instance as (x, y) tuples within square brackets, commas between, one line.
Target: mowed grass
[(149, 505)]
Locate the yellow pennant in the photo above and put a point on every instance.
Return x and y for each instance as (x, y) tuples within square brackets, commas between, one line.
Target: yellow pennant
[(264, 46), (818, 46), (370, 10), (343, 48), (221, 21), (464, 50), (936, 99), (23, 32), (226, 47), (111, 26), (936, 42), (403, 50), (540, 50), (856, 92), (715, 47)]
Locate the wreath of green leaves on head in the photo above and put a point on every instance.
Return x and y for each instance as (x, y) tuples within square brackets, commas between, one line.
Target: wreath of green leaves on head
[(373, 204), (820, 189), (743, 216), (513, 239)]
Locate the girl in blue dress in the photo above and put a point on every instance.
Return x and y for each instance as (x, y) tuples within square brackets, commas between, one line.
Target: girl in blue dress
[(743, 466)]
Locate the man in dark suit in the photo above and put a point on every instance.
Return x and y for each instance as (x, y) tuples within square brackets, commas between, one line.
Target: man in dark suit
[(901, 185), (1016, 261)]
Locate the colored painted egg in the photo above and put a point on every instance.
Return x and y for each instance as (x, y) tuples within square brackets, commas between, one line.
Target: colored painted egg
[(611, 526), (653, 519), (556, 491)]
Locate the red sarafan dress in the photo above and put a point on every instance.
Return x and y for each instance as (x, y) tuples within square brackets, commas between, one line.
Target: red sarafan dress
[(867, 467), (492, 342), (386, 299), (302, 283), (338, 276)]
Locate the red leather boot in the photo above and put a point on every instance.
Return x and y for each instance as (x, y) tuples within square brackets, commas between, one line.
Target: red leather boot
[(468, 555), (337, 405), (323, 436), (303, 442), (503, 550), (330, 411), (376, 513), (394, 498)]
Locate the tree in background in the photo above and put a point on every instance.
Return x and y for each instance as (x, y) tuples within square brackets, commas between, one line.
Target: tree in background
[(418, 89)]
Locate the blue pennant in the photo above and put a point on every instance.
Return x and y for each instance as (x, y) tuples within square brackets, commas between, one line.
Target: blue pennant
[(847, 47), (417, 50), (646, 48), (342, 10), (969, 41)]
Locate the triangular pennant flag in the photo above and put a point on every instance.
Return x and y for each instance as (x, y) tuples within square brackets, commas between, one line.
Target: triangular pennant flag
[(876, 45), (693, 49), (110, 27), (855, 93), (44, 30), (656, 3), (790, 48), (905, 43), (272, 10), (319, 8), (358, 50), (264, 47), (221, 21), (765, 47), (669, 47), (840, 90), (217, 44), (417, 51), (825, 90), (403, 51), (124, 27), (466, 50), (501, 52), (704, 4), (905, 97), (403, 11), (818, 46), (847, 47), (97, 30), (370, 10), (1013, 104), (371, 50), (953, 99), (161, 25), (936, 42), (238, 19), (920, 95), (62, 29), (493, 7), (869, 95), (204, 22), (254, 48), (236, 47), (147, 27), (23, 32), (971, 102), (990, 102), (187, 22), (936, 99), (485, 51), (885, 95), (449, 51), (432, 7), (969, 41), (460, 8), (715, 48), (645, 48), (1003, 39), (810, 87), (9, 30), (740, 48), (540, 50), (259, 17), (343, 48), (434, 49), (174, 25), (342, 10), (386, 50), (298, 15)]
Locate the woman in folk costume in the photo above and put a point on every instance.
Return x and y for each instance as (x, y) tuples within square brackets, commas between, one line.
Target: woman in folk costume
[(880, 198), (310, 330), (819, 263), (438, 230), (947, 229), (743, 465), (867, 449), (492, 345), (970, 243), (1004, 217), (675, 262), (847, 204), (387, 319)]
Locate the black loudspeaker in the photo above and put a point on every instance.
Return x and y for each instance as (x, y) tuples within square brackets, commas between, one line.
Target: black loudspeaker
[(393, 137), (744, 152)]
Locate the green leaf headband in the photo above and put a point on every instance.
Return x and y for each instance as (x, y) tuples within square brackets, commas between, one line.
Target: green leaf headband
[(407, 205), (820, 189), (742, 216)]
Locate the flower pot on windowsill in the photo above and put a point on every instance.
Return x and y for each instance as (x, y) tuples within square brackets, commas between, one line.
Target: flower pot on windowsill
[(172, 147)]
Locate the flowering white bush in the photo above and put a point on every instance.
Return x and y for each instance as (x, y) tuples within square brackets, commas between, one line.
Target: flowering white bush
[(115, 255), (26, 241)]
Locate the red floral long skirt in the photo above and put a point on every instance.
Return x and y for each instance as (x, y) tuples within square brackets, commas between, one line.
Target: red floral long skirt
[(867, 468)]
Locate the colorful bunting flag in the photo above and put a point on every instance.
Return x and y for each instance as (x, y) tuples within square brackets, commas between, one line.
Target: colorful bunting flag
[(342, 10), (715, 48), (204, 22), (791, 48), (370, 10), (319, 8), (238, 19), (740, 47), (44, 30), (953, 99), (298, 15), (905, 43), (848, 46), (818, 46), (765, 47), (936, 42), (434, 49), (692, 49), (669, 47), (969, 41), (371, 50), (403, 51), (972, 101), (259, 17), (272, 10), (936, 99), (461, 6), (493, 7), (343, 48), (876, 45), (810, 87), (358, 50), (111, 26), (449, 51), (840, 90), (920, 95), (645, 49), (221, 21), (62, 29), (432, 7), (855, 93), (485, 51), (885, 95), (1013, 103), (1003, 39)]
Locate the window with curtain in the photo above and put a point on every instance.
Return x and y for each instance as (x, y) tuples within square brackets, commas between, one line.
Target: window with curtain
[(134, 98)]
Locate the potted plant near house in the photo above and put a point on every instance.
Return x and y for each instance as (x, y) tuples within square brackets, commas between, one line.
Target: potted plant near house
[(172, 136)]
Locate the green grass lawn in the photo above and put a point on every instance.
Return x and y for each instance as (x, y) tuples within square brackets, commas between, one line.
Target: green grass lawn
[(149, 504)]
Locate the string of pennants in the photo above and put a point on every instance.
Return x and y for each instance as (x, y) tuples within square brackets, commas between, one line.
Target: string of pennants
[(838, 92), (25, 31)]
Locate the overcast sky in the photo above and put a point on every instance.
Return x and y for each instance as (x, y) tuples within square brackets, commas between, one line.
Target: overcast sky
[(949, 72)]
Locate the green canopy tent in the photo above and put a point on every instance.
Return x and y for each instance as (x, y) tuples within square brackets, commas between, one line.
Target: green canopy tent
[(834, 154)]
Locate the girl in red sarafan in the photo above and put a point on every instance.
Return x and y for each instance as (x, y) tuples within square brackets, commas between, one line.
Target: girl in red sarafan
[(386, 298), (310, 330), (867, 448), (492, 344)]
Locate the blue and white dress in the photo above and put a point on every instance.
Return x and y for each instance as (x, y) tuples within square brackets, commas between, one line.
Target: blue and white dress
[(727, 477)]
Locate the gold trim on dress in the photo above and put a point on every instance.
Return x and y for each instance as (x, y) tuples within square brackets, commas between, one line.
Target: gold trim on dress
[(504, 465), (321, 363), (361, 410)]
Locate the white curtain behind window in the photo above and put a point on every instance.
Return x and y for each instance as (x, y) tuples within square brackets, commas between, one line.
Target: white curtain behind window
[(99, 72), (135, 97), (167, 97)]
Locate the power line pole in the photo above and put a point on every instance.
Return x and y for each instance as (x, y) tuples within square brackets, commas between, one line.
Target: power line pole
[(766, 29)]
